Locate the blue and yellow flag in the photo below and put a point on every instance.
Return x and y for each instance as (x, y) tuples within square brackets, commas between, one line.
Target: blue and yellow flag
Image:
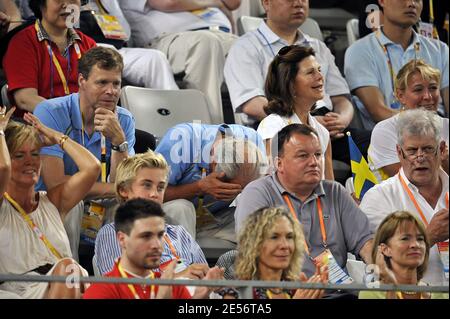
[(363, 178)]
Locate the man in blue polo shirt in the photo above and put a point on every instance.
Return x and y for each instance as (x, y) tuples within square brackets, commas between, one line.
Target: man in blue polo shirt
[(86, 116), (209, 166), (372, 63)]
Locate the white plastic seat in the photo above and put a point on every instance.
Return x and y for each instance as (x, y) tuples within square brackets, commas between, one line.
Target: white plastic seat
[(95, 267), (352, 31), (156, 111), (4, 95)]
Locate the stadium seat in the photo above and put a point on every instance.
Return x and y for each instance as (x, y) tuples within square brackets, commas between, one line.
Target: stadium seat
[(4, 96), (352, 31), (156, 111), (95, 267)]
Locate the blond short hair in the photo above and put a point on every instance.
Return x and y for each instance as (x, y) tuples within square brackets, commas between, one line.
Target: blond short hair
[(17, 134), (127, 169), (427, 72)]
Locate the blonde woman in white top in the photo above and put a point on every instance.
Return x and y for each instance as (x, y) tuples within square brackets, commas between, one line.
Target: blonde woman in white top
[(32, 236), (294, 84)]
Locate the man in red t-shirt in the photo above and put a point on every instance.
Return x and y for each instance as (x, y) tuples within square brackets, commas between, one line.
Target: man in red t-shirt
[(140, 230)]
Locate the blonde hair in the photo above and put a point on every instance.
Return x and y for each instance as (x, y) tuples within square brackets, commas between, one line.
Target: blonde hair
[(127, 169), (427, 72), (386, 230), (17, 133), (256, 230)]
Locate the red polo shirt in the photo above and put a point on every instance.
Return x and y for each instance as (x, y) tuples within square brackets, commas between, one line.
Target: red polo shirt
[(27, 62), (121, 291)]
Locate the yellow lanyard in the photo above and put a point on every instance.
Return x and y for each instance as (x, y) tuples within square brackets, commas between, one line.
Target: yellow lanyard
[(131, 287), (388, 56), (431, 12), (102, 156), (102, 148), (56, 63), (322, 224), (33, 226)]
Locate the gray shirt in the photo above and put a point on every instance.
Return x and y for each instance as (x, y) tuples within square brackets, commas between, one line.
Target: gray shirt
[(347, 227)]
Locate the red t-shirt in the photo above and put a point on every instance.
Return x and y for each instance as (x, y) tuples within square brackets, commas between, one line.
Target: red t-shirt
[(121, 291), (27, 64)]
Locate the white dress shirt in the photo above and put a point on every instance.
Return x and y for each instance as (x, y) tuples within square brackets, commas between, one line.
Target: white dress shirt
[(390, 196)]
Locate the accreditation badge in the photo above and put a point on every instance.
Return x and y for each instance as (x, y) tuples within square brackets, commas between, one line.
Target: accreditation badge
[(336, 275), (426, 29), (110, 26), (92, 221), (443, 253), (204, 13)]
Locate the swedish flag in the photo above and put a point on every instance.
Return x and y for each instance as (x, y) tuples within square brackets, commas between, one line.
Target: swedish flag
[(363, 178)]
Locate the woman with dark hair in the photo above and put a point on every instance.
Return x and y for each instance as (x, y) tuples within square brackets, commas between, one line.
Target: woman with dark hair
[(294, 84), (401, 250), (41, 61)]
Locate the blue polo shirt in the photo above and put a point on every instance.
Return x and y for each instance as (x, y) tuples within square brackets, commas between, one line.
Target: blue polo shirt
[(63, 114), (187, 147), (366, 65)]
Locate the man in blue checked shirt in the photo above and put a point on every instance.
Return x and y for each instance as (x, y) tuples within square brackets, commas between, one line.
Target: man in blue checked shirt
[(145, 176)]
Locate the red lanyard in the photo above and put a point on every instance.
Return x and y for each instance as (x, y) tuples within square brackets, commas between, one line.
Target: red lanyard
[(411, 197), (319, 212), (171, 247)]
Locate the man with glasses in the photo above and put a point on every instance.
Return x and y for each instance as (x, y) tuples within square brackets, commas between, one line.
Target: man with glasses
[(332, 222), (420, 187)]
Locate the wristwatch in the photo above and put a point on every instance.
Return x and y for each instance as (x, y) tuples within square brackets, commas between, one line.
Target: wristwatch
[(121, 147)]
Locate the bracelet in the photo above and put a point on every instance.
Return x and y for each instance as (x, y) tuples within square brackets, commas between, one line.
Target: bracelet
[(2, 132), (62, 140)]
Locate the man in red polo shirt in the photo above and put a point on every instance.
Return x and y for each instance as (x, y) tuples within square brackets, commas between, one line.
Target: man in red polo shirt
[(42, 60), (140, 230)]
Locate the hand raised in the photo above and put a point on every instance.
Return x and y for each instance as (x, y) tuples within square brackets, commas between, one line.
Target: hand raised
[(165, 292), (5, 116), (437, 229), (107, 123), (194, 271), (48, 136)]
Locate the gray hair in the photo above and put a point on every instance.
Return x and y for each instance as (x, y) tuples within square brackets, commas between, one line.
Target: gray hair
[(419, 122), (236, 156)]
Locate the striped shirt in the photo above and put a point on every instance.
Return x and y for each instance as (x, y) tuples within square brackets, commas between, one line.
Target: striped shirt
[(107, 247)]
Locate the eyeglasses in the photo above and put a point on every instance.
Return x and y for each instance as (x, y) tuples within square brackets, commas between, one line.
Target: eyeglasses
[(413, 153)]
